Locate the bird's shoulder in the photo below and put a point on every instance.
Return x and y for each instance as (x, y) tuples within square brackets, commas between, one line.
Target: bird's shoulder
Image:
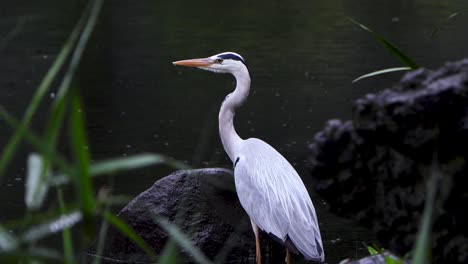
[(255, 147), (261, 165)]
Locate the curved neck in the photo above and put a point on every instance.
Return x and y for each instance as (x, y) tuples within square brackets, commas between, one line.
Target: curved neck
[(227, 132)]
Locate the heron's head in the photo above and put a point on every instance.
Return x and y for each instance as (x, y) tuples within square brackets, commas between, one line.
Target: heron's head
[(226, 62)]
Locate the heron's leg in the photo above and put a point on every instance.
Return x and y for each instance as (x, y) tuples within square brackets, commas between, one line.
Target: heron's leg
[(258, 254), (288, 257)]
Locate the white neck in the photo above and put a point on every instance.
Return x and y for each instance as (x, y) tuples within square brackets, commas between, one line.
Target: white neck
[(227, 132)]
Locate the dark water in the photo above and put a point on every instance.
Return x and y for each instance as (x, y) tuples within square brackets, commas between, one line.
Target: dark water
[(302, 57)]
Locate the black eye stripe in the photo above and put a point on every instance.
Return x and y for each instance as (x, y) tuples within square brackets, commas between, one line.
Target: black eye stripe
[(232, 57)]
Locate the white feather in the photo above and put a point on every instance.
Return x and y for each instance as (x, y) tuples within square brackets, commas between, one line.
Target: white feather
[(275, 198), (269, 189)]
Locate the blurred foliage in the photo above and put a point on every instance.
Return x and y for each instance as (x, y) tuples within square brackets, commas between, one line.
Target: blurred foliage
[(48, 170), (396, 52)]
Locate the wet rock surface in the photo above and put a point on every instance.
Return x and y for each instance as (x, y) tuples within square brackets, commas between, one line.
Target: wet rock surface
[(375, 168), (203, 203)]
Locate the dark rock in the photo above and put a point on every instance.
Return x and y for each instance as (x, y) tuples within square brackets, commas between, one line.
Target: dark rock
[(375, 167), (203, 203)]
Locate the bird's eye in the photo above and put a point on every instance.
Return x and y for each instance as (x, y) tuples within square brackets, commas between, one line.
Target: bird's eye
[(218, 60)]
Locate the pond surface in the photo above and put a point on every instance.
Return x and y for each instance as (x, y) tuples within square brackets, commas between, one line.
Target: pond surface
[(302, 57)]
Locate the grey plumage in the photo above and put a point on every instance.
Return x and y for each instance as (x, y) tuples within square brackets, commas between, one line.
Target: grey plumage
[(273, 195), (268, 187)]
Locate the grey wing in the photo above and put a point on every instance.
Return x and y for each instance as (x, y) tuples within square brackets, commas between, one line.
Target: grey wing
[(275, 198), (258, 203)]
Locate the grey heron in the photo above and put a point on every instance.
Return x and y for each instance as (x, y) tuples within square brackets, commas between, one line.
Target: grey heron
[(268, 187)]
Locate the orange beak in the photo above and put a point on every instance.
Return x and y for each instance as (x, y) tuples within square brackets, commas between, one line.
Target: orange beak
[(194, 62)]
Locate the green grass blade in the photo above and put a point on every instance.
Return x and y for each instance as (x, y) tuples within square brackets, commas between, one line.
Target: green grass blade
[(36, 186), (7, 242), (24, 223), (133, 162), (78, 138), (51, 227), (32, 255), (55, 121), (66, 234), (77, 128), (183, 241), (102, 237), (128, 232), (176, 164), (36, 142), (51, 134), (81, 156), (130, 163), (109, 166), (115, 200), (8, 37), (423, 240), (44, 86), (457, 13), (372, 250), (123, 164), (398, 53), (170, 254), (422, 246), (437, 28), (58, 106), (391, 260), (79, 49), (382, 72), (390, 47)]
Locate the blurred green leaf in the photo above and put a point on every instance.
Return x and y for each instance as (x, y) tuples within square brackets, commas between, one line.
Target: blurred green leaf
[(422, 247), (391, 260), (36, 142), (77, 127), (176, 164), (98, 168), (36, 187), (170, 254), (8, 150), (85, 27), (51, 227), (181, 239), (55, 120), (7, 242), (101, 238), (8, 37), (115, 200), (437, 28), (81, 156), (129, 163), (123, 164), (372, 250), (382, 72), (389, 46), (51, 135), (29, 255), (36, 218), (128, 232), (66, 234), (95, 7)]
